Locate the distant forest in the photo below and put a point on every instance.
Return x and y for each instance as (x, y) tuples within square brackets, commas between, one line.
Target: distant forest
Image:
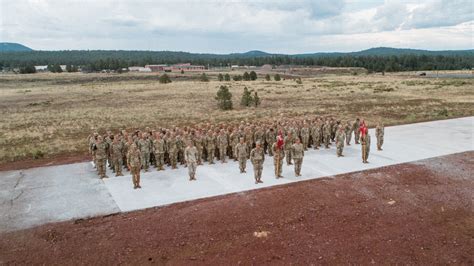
[(114, 60)]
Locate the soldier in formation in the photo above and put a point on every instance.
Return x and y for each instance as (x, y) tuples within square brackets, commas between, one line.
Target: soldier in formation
[(285, 140)]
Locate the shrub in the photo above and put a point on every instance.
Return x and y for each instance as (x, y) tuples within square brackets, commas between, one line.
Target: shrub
[(165, 79), (227, 77), (203, 77), (267, 77), (220, 77), (277, 77)]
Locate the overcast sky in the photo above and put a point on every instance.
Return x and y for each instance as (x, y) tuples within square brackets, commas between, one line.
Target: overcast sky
[(292, 26)]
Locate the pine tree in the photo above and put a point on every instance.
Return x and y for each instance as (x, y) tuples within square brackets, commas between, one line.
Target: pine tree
[(253, 75), (246, 98), (256, 100), (246, 76), (224, 98)]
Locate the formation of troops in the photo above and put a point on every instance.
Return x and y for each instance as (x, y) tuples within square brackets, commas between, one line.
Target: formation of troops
[(284, 140)]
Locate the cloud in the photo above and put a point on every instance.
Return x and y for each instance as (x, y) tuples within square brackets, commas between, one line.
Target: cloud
[(231, 26)]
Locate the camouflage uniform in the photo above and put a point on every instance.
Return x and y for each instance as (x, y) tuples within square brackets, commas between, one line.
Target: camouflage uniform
[(116, 152), (365, 141), (379, 133), (270, 137), (180, 146), (348, 131), (134, 161), (190, 155), (211, 147), (173, 152), (356, 128), (198, 143), (297, 152), (259, 136), (257, 157), (327, 134), (234, 140), (241, 155), (305, 136), (108, 143), (124, 151), (144, 146), (223, 143), (101, 157), (340, 137), (287, 146), (278, 157), (316, 136), (159, 151)]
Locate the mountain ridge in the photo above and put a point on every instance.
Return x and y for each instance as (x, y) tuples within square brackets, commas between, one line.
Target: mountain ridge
[(374, 51)]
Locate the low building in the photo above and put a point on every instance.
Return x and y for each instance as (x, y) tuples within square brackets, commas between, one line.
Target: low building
[(156, 68), (187, 67), (41, 68), (139, 69)]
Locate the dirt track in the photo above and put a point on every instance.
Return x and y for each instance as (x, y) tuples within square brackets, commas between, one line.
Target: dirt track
[(415, 213)]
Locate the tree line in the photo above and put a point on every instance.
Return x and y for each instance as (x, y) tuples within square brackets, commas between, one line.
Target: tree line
[(93, 61)]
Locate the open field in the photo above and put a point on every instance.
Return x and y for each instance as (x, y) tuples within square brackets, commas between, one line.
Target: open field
[(49, 114)]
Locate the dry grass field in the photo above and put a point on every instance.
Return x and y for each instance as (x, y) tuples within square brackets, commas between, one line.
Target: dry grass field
[(51, 114)]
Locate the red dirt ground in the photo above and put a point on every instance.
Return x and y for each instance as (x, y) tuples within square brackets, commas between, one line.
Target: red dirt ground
[(47, 161), (341, 220)]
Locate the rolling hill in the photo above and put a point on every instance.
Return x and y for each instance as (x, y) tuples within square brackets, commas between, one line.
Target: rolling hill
[(13, 47)]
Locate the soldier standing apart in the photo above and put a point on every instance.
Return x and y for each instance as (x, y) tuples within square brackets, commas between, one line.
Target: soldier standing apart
[(278, 155), (365, 141), (100, 149), (241, 154), (159, 151), (190, 156), (340, 137), (297, 152), (348, 132), (356, 128), (116, 152), (134, 162), (379, 132), (257, 157)]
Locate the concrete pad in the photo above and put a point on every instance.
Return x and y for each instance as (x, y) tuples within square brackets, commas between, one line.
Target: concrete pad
[(58, 193), (402, 144), (49, 194)]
